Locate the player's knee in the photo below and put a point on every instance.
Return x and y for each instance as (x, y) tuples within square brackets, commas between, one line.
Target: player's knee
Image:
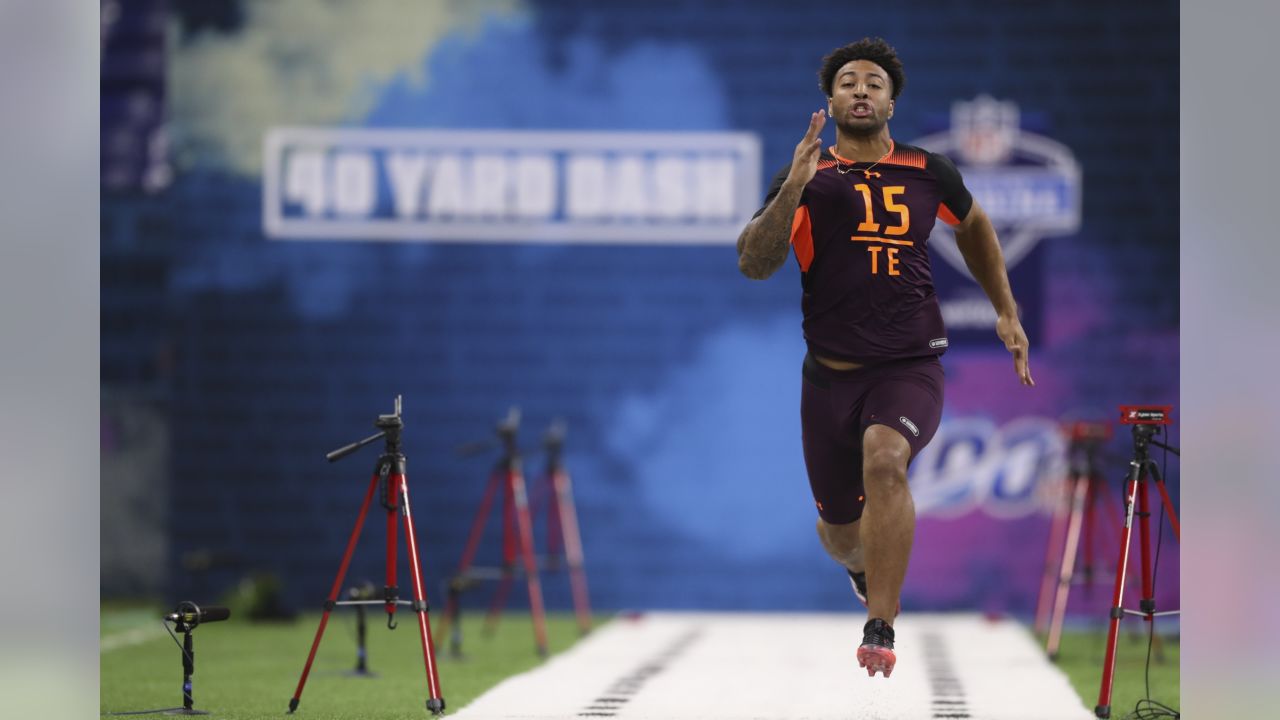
[(885, 455), (885, 470)]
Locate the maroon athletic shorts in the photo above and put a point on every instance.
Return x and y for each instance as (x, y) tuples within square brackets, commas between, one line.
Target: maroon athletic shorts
[(837, 406)]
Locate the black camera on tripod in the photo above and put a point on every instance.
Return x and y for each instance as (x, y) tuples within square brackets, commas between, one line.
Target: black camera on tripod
[(1147, 422)]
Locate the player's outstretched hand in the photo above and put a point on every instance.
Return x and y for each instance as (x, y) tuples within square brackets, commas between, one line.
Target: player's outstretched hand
[(804, 165), (1009, 328)]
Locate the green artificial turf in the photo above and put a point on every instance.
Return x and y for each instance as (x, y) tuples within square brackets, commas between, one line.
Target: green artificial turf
[(245, 670), (1081, 656)]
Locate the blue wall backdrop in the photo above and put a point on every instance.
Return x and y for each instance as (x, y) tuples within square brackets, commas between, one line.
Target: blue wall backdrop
[(232, 361)]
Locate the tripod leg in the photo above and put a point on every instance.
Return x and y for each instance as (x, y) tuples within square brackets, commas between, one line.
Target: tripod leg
[(477, 525), (1044, 599), (568, 516), (333, 592), (510, 545), (1108, 502), (1103, 708), (435, 700), (510, 536), (1107, 496), (391, 593), (1154, 469), (530, 564), (1148, 595), (556, 544), (453, 607), (1148, 603), (1090, 531), (1067, 566), (1168, 503)]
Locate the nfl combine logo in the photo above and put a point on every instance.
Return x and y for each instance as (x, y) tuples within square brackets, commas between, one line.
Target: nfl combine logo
[(985, 130), (1028, 184)]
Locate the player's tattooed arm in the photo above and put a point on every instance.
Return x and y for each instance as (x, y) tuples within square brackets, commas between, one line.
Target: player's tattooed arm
[(763, 244)]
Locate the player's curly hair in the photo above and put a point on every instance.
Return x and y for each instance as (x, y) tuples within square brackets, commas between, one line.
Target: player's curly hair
[(874, 49)]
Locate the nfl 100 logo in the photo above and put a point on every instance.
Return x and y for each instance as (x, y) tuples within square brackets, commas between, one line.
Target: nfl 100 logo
[(1029, 186)]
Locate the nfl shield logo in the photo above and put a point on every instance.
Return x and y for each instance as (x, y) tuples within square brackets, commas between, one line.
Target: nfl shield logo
[(985, 129), (1029, 186)]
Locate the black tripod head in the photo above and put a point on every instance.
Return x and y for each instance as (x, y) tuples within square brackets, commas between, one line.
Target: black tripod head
[(507, 429), (1086, 442), (1142, 435), (391, 427), (554, 441)]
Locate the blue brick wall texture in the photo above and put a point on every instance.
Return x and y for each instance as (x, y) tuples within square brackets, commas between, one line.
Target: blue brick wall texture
[(677, 377)]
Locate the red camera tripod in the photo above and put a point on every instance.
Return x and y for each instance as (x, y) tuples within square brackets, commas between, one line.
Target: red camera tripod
[(389, 473), (1074, 529), (563, 538), (1145, 422), (562, 525), (517, 539)]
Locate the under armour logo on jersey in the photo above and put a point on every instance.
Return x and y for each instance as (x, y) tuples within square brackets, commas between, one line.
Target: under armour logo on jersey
[(910, 426)]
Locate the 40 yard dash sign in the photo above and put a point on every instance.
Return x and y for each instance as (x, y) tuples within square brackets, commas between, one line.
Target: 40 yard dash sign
[(509, 186)]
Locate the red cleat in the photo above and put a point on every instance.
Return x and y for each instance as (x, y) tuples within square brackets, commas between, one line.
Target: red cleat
[(876, 652)]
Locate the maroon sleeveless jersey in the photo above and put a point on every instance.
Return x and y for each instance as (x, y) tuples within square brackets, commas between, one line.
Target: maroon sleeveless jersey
[(860, 237)]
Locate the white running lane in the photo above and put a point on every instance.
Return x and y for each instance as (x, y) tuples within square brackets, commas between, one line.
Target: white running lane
[(712, 666)]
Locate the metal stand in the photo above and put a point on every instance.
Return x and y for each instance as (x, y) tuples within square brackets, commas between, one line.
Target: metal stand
[(361, 592), (185, 619), (517, 539), (185, 627), (389, 473), (562, 526), (1142, 470), (1085, 490)]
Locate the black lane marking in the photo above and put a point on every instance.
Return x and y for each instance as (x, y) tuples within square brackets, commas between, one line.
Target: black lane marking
[(945, 686), (624, 688)]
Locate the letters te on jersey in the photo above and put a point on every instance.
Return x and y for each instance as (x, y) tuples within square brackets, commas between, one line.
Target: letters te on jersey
[(509, 186)]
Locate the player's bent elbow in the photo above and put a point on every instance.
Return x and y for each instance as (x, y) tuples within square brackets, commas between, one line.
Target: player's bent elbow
[(754, 269)]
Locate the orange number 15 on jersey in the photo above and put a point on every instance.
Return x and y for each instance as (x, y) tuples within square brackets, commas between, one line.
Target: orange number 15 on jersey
[(869, 225)]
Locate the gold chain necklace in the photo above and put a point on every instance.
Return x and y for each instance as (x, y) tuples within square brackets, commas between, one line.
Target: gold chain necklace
[(866, 172)]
